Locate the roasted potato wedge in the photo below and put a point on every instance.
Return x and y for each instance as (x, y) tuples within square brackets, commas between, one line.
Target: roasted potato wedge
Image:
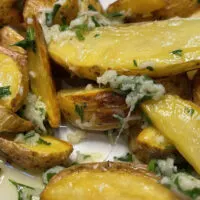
[(12, 123), (14, 75), (92, 109), (68, 11), (33, 7), (177, 85), (151, 144), (196, 89), (176, 8), (8, 37), (9, 13), (177, 120), (105, 181), (41, 156), (41, 82), (132, 8), (143, 51)]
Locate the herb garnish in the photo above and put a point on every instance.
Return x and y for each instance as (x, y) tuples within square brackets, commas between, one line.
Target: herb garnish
[(91, 7), (80, 30), (127, 158), (5, 91), (150, 68), (63, 26), (41, 141), (189, 111), (29, 41), (96, 35), (115, 14), (177, 52), (80, 110), (50, 16), (95, 22), (120, 118), (135, 63), (152, 166)]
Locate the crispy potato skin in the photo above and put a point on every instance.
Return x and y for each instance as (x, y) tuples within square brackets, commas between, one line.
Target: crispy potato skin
[(196, 89), (12, 123), (150, 144), (100, 106), (42, 82), (9, 13), (133, 178), (177, 120), (92, 57), (18, 63), (33, 7), (177, 85), (37, 157), (174, 8), (8, 37)]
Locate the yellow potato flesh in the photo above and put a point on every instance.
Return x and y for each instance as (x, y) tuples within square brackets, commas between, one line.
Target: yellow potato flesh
[(106, 185), (10, 75), (179, 121), (149, 44), (56, 146), (137, 7), (153, 139)]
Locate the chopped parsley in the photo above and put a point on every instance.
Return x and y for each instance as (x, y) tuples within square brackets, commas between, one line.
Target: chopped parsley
[(120, 118), (189, 111), (29, 41), (152, 166), (63, 26), (80, 30), (50, 16), (115, 14), (79, 109), (177, 52), (150, 68), (135, 63), (41, 141), (91, 7), (95, 22), (96, 35), (5, 91), (127, 158)]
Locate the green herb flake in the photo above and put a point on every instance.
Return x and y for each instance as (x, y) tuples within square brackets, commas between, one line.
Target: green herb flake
[(178, 52), (115, 14), (63, 26), (50, 175), (80, 30), (150, 68), (29, 135), (51, 16), (91, 7), (79, 109), (152, 166), (86, 156), (120, 118), (135, 63), (189, 111), (96, 35), (29, 41), (41, 141), (95, 22), (127, 158), (5, 91)]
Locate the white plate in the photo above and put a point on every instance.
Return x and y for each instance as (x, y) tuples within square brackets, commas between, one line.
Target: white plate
[(95, 144)]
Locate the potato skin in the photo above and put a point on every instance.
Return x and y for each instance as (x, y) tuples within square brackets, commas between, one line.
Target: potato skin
[(21, 60), (28, 158), (12, 123), (100, 106), (103, 169), (42, 83)]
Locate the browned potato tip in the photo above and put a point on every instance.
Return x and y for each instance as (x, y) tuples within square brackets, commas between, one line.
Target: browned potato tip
[(105, 181)]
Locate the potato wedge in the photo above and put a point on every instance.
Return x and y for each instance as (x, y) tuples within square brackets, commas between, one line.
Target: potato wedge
[(177, 85), (92, 109), (196, 88), (68, 11), (41, 82), (33, 7), (105, 181), (12, 123), (177, 120), (174, 8), (151, 144), (13, 74), (132, 8), (156, 49), (41, 156), (9, 13), (8, 37)]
